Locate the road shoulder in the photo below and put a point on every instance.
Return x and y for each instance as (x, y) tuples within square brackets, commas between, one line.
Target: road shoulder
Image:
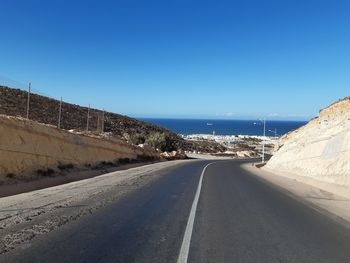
[(26, 216), (327, 198)]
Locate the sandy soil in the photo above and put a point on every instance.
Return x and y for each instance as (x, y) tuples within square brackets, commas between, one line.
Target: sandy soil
[(27, 215), (327, 198), (23, 186)]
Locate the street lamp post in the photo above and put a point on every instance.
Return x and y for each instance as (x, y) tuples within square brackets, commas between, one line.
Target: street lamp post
[(274, 132), (263, 146)]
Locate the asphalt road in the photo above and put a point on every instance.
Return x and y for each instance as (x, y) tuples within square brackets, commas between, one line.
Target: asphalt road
[(238, 218)]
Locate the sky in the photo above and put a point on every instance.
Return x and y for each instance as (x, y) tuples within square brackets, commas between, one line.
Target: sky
[(181, 59)]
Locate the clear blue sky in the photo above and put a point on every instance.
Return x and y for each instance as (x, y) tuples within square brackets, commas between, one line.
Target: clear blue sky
[(213, 59)]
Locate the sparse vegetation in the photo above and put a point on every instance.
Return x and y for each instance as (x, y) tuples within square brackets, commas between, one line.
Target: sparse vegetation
[(146, 158), (45, 173), (107, 163), (124, 160), (137, 139), (13, 103), (160, 141), (64, 167), (10, 175)]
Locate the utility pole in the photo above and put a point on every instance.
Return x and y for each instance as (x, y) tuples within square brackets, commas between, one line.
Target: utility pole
[(59, 114), (263, 146), (88, 117), (28, 100)]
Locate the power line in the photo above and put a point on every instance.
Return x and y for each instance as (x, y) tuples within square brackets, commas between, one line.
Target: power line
[(6, 81)]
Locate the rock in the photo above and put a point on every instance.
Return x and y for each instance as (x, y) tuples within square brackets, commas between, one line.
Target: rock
[(174, 155), (320, 149)]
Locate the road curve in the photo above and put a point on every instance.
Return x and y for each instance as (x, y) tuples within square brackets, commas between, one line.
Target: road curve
[(238, 218)]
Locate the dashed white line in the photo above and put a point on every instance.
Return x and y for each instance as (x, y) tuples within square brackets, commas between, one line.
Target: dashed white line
[(186, 242)]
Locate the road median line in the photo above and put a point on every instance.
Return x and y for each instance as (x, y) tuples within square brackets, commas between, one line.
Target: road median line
[(186, 242)]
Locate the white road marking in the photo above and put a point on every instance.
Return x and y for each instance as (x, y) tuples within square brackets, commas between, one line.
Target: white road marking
[(186, 242)]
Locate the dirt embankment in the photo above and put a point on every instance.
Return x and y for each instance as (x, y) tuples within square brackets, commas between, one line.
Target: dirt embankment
[(320, 149), (28, 148)]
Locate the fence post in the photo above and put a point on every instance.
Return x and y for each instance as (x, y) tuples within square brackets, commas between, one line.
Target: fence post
[(103, 120), (98, 123), (28, 100), (88, 117), (59, 114)]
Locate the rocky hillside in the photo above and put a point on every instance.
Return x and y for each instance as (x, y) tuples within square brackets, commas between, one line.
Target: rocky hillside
[(13, 102), (321, 148)]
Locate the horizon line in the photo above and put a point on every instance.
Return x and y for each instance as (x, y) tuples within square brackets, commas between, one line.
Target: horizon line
[(216, 119)]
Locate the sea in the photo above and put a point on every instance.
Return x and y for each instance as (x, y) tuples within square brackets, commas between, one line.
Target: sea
[(226, 127)]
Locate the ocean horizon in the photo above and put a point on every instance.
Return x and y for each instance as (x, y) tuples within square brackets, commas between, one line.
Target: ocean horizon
[(225, 127)]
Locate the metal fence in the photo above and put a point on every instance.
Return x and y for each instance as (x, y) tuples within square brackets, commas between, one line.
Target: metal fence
[(24, 100)]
